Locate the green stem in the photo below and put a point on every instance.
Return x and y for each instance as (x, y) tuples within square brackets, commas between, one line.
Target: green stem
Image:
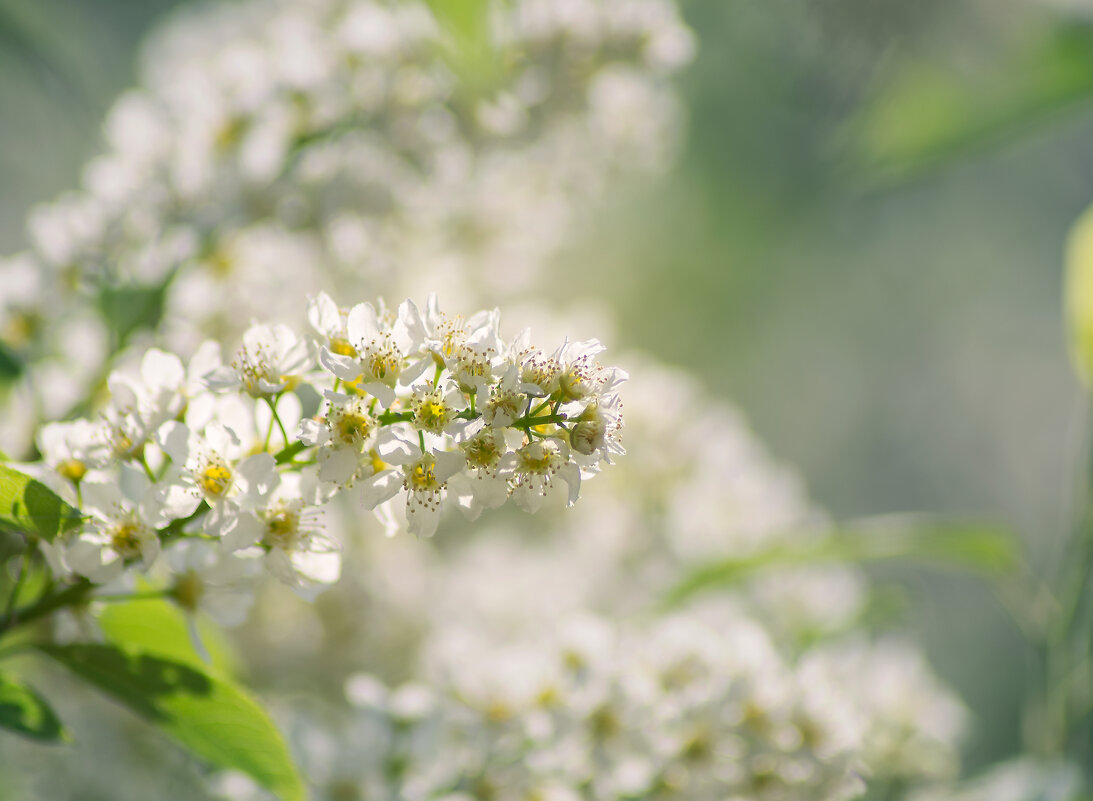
[(121, 597), (280, 425), (68, 596), (1067, 644), (24, 569)]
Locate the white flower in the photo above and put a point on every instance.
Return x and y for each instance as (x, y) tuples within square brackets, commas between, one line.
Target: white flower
[(331, 323), (381, 348), (482, 486), (208, 578), (121, 527), (535, 471), (467, 347), (424, 477), (435, 409), (270, 360), (341, 434), (297, 551), (213, 468), (72, 448)]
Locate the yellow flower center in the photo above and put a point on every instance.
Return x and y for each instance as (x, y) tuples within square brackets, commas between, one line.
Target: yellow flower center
[(432, 415), (423, 475), (353, 428), (378, 465), (535, 461), (72, 469), (342, 348), (384, 365), (125, 539), (215, 479), (188, 590), (282, 528), (482, 452)]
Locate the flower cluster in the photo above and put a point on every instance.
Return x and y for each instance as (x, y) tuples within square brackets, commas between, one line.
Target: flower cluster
[(596, 712), (414, 410), (276, 148)]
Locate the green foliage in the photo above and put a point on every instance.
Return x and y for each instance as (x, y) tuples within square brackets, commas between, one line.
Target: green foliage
[(1079, 295), (470, 54), (159, 628), (980, 548), (205, 714), (11, 366), (926, 112), (31, 508), (24, 711), (129, 309)]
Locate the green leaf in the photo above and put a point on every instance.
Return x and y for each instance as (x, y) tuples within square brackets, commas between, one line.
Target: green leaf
[(215, 720), (975, 547), (925, 113), (22, 710), (11, 365), (160, 628), (1079, 295), (30, 507), (128, 309), (471, 52)]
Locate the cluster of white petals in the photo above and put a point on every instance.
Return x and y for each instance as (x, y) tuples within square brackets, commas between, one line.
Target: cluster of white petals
[(414, 410), (673, 709), (279, 147), (276, 148)]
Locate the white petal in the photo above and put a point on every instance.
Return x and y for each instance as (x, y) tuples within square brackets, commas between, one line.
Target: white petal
[(337, 464), (318, 566), (448, 463), (362, 325), (174, 438), (256, 477), (246, 531), (342, 367), (410, 317), (379, 488), (311, 432), (322, 313), (422, 519), (161, 370)]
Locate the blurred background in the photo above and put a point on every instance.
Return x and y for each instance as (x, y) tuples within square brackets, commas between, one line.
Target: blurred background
[(860, 244)]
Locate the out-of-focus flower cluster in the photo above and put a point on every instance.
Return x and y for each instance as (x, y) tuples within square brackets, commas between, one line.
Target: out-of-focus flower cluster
[(416, 410), (280, 147), (672, 709)]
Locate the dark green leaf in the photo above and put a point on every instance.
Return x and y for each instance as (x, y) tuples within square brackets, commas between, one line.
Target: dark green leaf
[(215, 720), (972, 547), (24, 711), (128, 309), (30, 507), (11, 366)]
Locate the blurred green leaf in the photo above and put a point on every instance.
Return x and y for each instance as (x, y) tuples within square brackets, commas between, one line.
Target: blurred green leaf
[(131, 308), (11, 366), (926, 113), (160, 628), (205, 714), (22, 710), (973, 547), (471, 54), (30, 507), (1079, 295)]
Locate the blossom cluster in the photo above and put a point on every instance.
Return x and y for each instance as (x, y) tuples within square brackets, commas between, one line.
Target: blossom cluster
[(677, 708), (414, 410), (277, 148)]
